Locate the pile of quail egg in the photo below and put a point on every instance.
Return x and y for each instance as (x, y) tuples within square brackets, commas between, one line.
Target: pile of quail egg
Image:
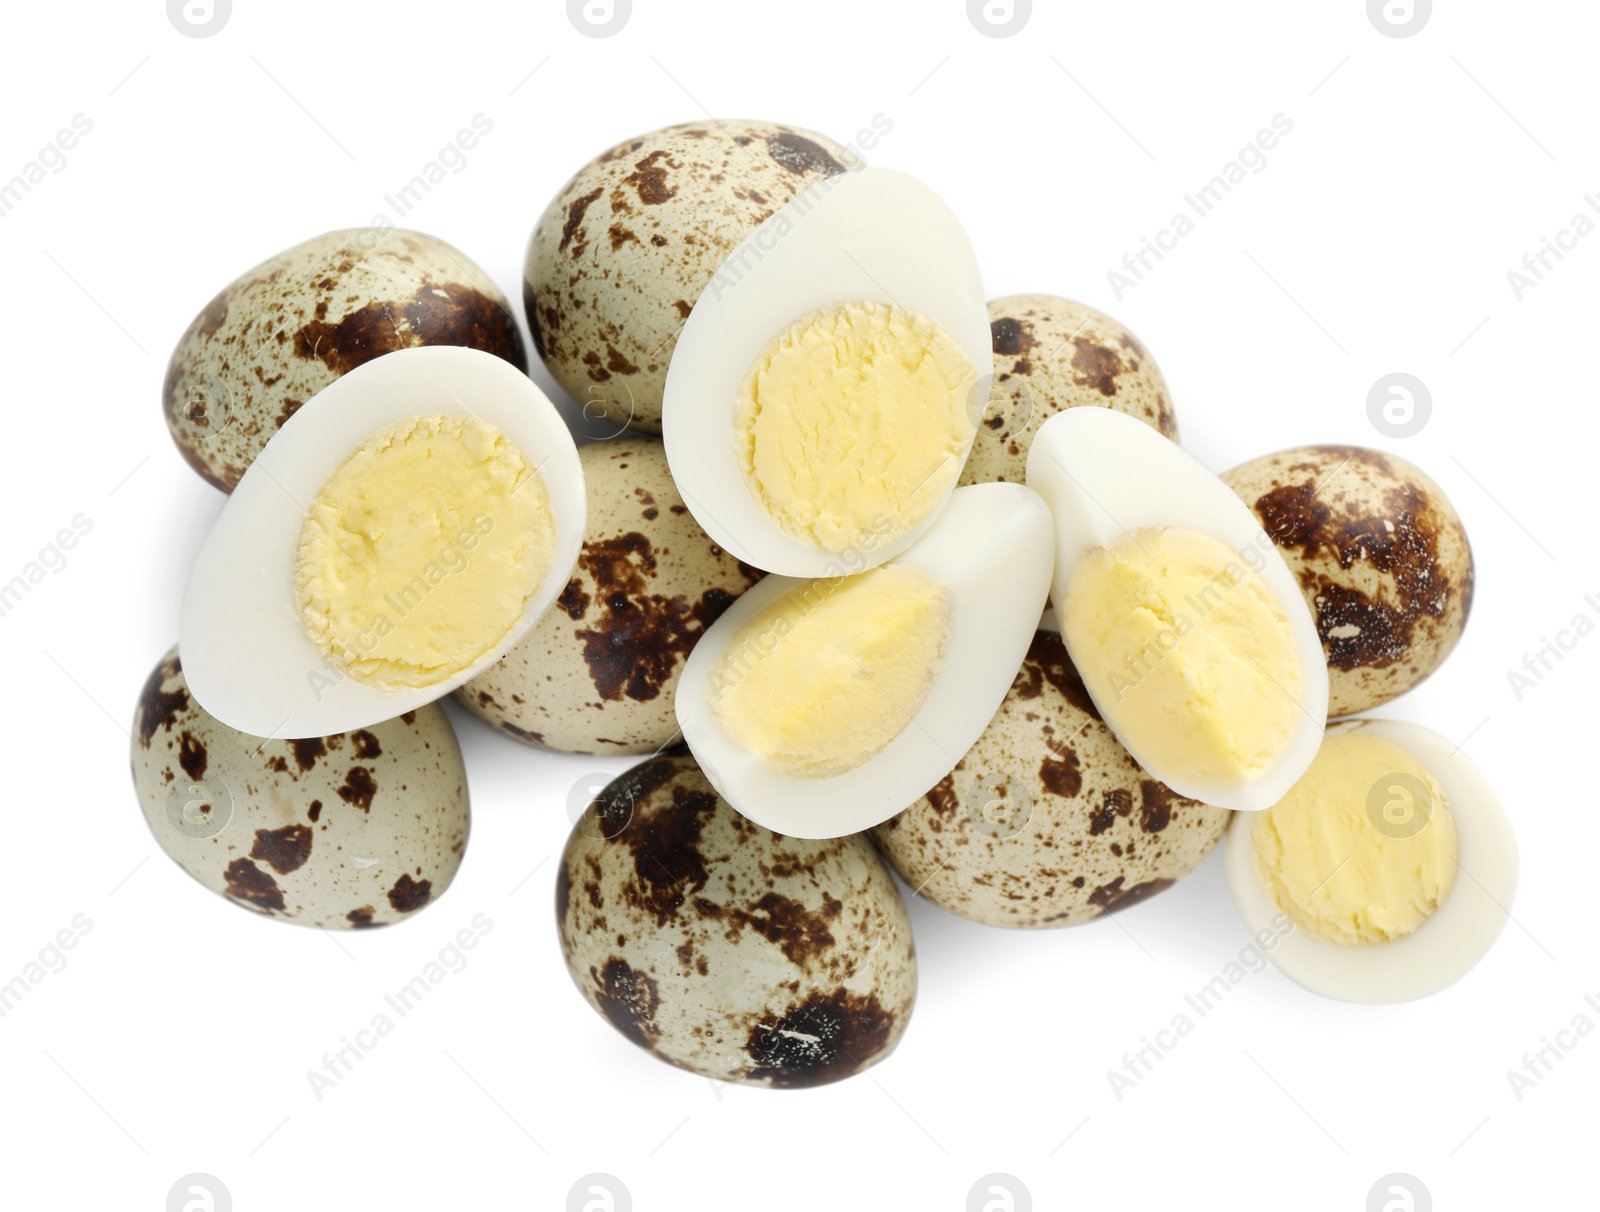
[(714, 943)]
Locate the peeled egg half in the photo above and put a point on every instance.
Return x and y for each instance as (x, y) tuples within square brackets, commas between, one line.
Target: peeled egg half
[(1390, 874), (397, 536), (826, 388), (819, 708), (1192, 636)]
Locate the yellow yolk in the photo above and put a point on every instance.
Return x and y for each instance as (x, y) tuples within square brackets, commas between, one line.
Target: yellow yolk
[(853, 424), (1189, 655), (1363, 849), (422, 550), (826, 676)]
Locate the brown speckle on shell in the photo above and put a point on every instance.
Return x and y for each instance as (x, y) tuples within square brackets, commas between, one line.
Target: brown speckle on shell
[(622, 252), (597, 674), (1381, 556), (727, 949), (276, 847), (292, 325), (1099, 834), (1051, 354)]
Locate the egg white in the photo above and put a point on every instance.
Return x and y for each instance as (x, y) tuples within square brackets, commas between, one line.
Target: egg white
[(1446, 946), (873, 235), (247, 654), (991, 548), (1103, 474)]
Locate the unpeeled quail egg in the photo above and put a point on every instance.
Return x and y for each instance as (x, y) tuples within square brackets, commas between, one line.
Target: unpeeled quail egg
[(345, 831), (619, 257), (1047, 820), (286, 329), (1051, 354), (598, 673), (727, 950), (1381, 556)]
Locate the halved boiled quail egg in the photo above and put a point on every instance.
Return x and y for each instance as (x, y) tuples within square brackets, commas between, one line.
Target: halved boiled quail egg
[(821, 707), (825, 391), (1191, 634), (398, 535), (1386, 872)]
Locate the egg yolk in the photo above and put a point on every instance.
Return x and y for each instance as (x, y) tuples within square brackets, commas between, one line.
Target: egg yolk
[(1363, 849), (422, 550), (853, 424), (1188, 654), (825, 677)]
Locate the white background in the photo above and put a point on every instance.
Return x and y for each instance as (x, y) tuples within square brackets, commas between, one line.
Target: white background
[(1418, 173)]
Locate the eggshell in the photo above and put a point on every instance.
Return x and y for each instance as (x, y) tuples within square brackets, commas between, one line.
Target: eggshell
[(1051, 354), (283, 331), (727, 950), (619, 257), (1381, 556), (598, 673), (346, 831), (1047, 820)]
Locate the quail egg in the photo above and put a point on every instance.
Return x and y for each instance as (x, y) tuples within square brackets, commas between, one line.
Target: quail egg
[(1381, 556), (1189, 630), (819, 708), (1052, 354), (292, 325), (826, 388), (345, 831), (399, 535), (727, 950), (599, 672), (1047, 820), (1387, 871), (619, 257)]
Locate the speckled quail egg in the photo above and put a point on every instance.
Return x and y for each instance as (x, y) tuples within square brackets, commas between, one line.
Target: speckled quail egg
[(346, 831), (728, 950), (1047, 820), (1381, 555), (1052, 354), (598, 673), (286, 329), (624, 250)]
